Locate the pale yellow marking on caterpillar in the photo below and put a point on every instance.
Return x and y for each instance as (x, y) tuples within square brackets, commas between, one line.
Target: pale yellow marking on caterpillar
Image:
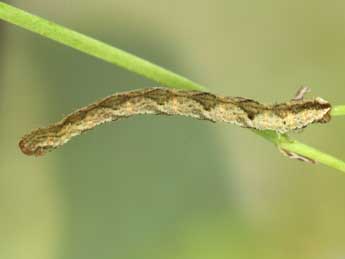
[(247, 113), (174, 104)]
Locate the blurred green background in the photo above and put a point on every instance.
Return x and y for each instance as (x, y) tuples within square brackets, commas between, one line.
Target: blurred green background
[(168, 187)]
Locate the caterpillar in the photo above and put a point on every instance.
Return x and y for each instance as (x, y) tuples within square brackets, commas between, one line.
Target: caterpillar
[(282, 117)]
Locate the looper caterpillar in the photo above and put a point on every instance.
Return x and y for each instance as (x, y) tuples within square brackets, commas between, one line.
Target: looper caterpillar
[(282, 118)]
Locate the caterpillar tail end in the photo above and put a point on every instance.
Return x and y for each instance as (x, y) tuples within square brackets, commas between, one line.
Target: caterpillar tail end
[(26, 150)]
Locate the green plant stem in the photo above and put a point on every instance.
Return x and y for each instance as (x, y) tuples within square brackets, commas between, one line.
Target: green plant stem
[(284, 142), (338, 110), (149, 70), (94, 47)]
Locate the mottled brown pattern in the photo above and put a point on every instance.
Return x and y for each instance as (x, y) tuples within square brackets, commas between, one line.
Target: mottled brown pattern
[(251, 107), (114, 102), (159, 95), (282, 118), (208, 101)]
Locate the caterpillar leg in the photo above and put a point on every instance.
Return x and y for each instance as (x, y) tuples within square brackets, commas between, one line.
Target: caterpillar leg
[(302, 91), (293, 155)]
